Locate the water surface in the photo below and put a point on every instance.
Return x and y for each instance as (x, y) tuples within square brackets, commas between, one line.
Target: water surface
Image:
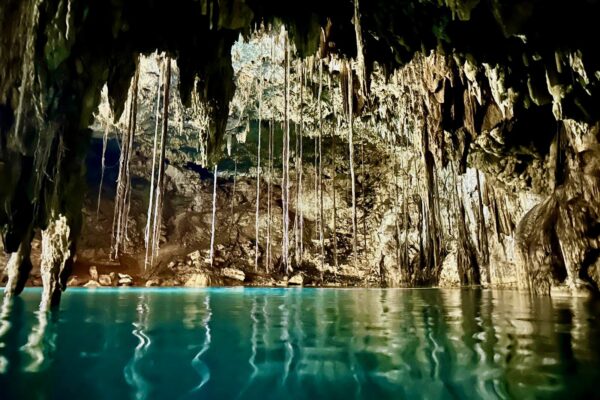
[(299, 343)]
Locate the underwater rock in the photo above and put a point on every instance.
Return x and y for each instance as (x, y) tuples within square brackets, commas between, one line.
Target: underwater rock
[(92, 284)]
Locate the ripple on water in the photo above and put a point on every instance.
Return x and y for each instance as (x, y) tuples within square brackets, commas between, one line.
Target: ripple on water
[(301, 343)]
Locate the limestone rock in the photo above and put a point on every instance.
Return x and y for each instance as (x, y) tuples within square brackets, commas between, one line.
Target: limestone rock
[(93, 273), (233, 273), (169, 283), (125, 280), (105, 280), (194, 256), (297, 279), (92, 284), (449, 275), (198, 280), (153, 282), (73, 281)]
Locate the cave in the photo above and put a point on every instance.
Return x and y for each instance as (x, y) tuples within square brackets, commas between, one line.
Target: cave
[(381, 177)]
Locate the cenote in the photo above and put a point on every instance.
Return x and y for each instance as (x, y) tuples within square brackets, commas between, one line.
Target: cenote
[(301, 344), (316, 199)]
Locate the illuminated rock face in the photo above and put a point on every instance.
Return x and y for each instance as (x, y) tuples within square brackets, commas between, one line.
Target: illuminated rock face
[(475, 136)]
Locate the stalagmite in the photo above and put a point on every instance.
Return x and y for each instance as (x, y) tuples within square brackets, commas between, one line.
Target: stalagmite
[(320, 169), (56, 252), (256, 233), (18, 267), (351, 157), (150, 213), (214, 214)]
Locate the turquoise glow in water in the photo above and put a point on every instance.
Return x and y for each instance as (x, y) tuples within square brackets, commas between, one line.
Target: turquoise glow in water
[(299, 343)]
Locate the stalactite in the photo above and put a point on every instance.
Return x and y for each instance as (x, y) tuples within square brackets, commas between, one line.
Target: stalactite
[(150, 214), (361, 69), (27, 64), (160, 183), (256, 232), (124, 180), (320, 169), (214, 214), (351, 157), (102, 166)]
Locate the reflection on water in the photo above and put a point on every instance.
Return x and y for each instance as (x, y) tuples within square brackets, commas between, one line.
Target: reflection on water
[(299, 343)]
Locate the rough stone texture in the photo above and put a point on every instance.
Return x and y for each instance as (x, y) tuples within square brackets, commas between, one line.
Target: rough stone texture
[(198, 280), (297, 279), (233, 273), (56, 252), (105, 280), (93, 273)]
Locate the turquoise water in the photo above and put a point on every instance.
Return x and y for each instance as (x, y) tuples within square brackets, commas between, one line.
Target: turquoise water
[(299, 343)]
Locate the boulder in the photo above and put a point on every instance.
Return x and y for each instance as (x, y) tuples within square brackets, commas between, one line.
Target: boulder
[(297, 279), (194, 256), (233, 273), (125, 280), (153, 282), (91, 284), (105, 280), (197, 280), (93, 273)]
